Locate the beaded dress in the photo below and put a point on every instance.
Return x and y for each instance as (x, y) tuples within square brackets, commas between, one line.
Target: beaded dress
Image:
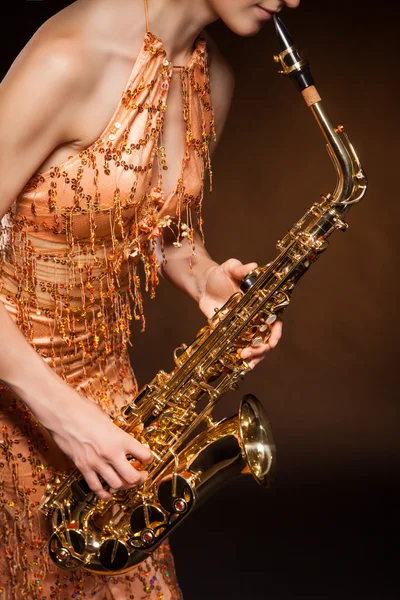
[(75, 246)]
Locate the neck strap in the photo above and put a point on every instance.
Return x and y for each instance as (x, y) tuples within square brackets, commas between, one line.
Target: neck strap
[(146, 13)]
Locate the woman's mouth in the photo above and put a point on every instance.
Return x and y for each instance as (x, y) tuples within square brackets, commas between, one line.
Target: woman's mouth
[(264, 13)]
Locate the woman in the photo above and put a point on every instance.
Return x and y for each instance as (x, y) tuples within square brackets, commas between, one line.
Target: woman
[(100, 186)]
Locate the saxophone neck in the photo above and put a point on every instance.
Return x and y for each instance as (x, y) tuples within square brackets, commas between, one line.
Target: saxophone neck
[(351, 181)]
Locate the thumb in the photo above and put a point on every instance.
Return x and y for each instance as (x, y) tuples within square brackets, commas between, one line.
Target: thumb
[(237, 270)]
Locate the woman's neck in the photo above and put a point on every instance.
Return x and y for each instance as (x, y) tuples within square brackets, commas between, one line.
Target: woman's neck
[(178, 23), (122, 22)]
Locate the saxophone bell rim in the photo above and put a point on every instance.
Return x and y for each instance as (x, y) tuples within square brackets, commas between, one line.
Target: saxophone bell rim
[(257, 440)]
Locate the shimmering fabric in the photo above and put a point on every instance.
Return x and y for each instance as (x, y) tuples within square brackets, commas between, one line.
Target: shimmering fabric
[(72, 245)]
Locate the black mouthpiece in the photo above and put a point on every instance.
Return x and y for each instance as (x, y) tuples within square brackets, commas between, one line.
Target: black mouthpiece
[(292, 62), (284, 39)]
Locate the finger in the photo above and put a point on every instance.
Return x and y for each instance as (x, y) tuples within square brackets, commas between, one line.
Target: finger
[(110, 476), (143, 477), (139, 451), (255, 351), (275, 336), (127, 486), (253, 363), (129, 473), (236, 269), (276, 333), (95, 485)]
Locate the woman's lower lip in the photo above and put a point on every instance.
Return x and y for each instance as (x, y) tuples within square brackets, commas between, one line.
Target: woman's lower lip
[(264, 14)]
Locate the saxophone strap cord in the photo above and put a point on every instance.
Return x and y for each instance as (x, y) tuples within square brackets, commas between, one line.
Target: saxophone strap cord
[(146, 13)]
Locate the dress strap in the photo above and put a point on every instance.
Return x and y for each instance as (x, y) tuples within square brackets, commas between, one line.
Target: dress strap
[(146, 13)]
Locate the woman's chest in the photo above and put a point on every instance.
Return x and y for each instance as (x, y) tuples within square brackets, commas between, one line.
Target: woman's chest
[(96, 114), (156, 140)]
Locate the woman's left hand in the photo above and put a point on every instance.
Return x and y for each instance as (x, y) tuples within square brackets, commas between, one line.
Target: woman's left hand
[(218, 284)]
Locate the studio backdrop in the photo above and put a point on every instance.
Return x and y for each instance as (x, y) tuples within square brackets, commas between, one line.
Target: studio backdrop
[(324, 527)]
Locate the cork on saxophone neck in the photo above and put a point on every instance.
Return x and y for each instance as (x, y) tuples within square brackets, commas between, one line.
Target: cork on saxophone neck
[(311, 95)]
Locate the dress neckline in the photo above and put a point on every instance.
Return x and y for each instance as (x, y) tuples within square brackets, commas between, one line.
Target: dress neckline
[(149, 41), (197, 53), (198, 48)]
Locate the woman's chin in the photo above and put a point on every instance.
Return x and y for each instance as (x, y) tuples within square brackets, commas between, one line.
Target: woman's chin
[(249, 31)]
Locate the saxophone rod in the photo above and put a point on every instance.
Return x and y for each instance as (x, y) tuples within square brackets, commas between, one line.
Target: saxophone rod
[(297, 69)]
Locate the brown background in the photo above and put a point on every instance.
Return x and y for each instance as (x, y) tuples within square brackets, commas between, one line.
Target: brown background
[(330, 388)]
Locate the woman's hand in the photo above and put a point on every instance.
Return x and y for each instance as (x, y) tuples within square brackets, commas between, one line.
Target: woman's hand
[(87, 435), (218, 284)]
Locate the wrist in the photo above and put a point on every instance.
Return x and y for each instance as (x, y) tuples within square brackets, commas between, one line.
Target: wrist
[(186, 270), (41, 390), (202, 278)]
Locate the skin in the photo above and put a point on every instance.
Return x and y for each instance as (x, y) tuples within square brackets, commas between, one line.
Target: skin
[(82, 58)]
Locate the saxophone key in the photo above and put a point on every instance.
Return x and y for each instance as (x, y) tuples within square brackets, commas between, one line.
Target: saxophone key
[(62, 555), (340, 224), (147, 536), (179, 354), (209, 421), (175, 487), (114, 554), (147, 522), (269, 320), (180, 505)]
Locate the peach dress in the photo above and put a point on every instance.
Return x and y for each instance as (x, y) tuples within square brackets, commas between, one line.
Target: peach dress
[(74, 247)]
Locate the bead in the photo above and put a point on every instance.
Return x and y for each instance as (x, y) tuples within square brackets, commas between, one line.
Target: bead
[(117, 124), (111, 137)]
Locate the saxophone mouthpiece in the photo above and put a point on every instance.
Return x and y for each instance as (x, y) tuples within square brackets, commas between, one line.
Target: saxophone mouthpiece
[(290, 59), (284, 40)]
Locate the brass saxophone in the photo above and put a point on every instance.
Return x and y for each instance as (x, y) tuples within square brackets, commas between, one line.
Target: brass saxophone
[(112, 536)]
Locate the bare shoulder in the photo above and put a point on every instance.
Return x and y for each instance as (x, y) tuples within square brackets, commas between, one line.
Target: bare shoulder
[(50, 71), (222, 81), (53, 57), (38, 97)]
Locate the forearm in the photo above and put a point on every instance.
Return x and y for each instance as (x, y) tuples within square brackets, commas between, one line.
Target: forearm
[(21, 367), (185, 270)]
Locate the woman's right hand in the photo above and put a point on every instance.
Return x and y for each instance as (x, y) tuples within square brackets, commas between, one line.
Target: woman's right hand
[(87, 435)]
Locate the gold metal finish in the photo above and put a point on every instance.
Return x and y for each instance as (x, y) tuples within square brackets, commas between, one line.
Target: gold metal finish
[(112, 536), (298, 61)]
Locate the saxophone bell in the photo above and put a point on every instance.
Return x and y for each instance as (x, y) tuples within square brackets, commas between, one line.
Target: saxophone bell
[(257, 440), (240, 445)]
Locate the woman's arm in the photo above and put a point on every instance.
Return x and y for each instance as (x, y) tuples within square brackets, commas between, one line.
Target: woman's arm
[(207, 282), (210, 284), (37, 100)]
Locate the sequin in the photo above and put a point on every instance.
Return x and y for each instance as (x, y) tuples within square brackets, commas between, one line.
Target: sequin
[(70, 248)]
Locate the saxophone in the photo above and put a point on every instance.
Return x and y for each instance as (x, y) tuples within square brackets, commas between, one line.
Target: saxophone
[(173, 413)]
